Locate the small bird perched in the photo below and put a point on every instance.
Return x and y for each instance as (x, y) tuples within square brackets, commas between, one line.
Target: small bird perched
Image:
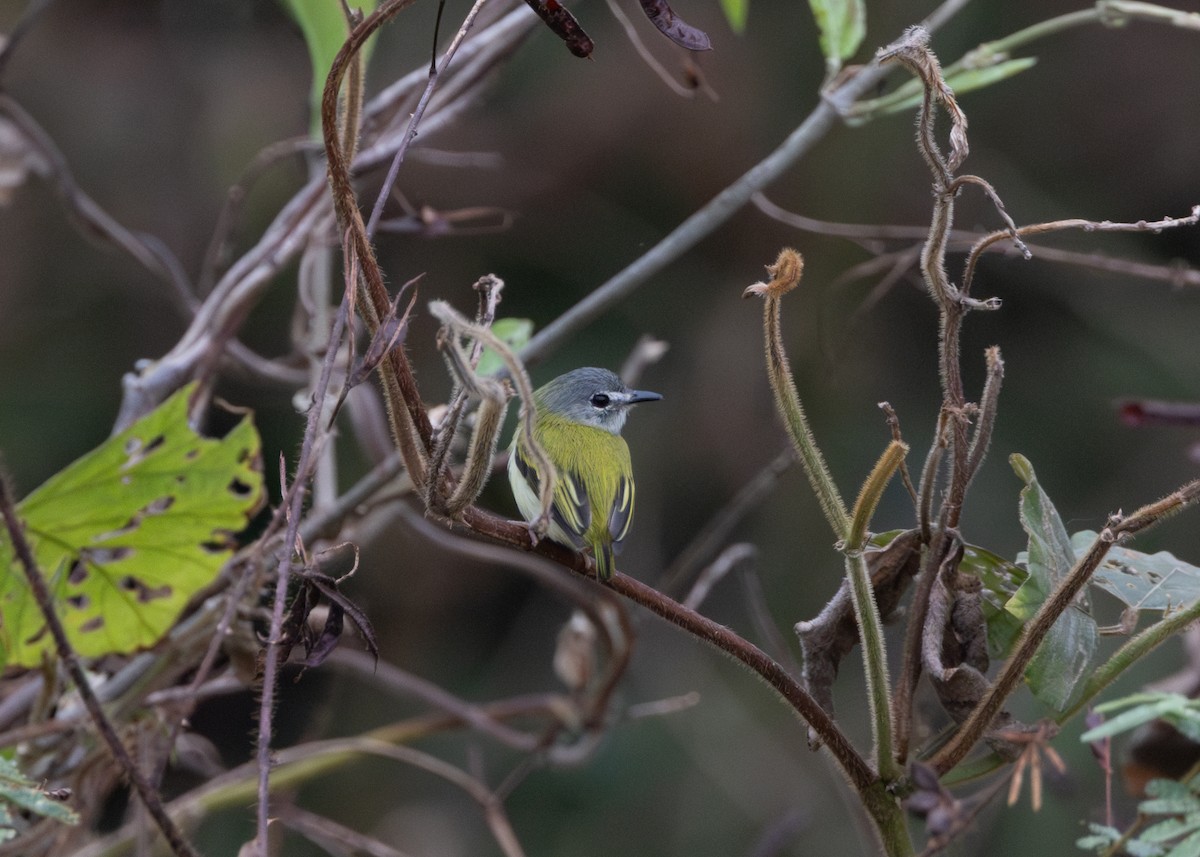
[(578, 419)]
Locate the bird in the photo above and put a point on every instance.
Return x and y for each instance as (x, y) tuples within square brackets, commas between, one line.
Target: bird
[(577, 420)]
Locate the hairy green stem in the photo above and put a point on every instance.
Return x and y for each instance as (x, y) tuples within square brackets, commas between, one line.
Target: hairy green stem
[(785, 276), (870, 630), (1134, 650), (866, 611), (872, 490)]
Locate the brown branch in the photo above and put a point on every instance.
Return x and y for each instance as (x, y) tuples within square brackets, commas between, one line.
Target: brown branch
[(1119, 528), (869, 236), (777, 677), (41, 593), (397, 371), (1075, 223)]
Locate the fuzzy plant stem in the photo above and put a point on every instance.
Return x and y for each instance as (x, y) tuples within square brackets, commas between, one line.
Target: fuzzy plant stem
[(866, 611), (785, 275)]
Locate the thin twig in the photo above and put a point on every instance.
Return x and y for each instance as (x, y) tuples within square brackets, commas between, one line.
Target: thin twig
[(722, 207), (293, 502), (869, 236), (726, 561), (645, 54), (401, 681), (418, 113)]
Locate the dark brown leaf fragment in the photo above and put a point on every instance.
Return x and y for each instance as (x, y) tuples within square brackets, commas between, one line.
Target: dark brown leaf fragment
[(564, 25)]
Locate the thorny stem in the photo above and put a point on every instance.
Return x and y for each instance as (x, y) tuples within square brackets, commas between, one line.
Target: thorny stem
[(848, 758), (294, 502), (41, 593), (1058, 601), (911, 664), (986, 419), (489, 288)]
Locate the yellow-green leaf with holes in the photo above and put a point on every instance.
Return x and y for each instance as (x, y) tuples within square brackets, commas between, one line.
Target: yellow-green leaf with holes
[(128, 533)]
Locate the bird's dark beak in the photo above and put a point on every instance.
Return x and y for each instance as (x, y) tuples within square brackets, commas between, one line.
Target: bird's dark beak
[(635, 396)]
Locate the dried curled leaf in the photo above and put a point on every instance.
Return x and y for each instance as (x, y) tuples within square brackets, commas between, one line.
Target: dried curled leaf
[(831, 636), (954, 649), (129, 533), (320, 602)]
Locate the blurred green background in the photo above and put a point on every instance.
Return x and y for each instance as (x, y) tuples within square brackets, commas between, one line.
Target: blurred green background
[(158, 106)]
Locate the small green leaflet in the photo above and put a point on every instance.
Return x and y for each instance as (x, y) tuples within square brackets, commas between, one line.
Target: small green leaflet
[(736, 13), (1066, 653), (909, 95), (1142, 708), (1158, 581), (843, 25), (324, 25), (18, 790), (129, 533), (513, 332)]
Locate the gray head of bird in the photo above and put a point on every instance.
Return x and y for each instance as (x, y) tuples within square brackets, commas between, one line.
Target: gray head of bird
[(594, 397)]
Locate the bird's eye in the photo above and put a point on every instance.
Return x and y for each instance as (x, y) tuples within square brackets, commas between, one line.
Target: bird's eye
[(600, 400)]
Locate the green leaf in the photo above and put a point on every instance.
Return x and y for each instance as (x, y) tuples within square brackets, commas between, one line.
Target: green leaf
[(909, 95), (1001, 579), (736, 13), (325, 29), (1173, 707), (1138, 848), (1102, 837), (1189, 847), (513, 332), (1065, 654), (843, 24), (19, 790), (129, 533), (1144, 581), (1171, 828)]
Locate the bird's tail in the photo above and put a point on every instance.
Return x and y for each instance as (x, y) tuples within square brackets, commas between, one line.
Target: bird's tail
[(604, 560)]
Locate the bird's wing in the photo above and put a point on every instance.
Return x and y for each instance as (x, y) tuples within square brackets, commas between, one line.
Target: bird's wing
[(622, 511), (570, 510)]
